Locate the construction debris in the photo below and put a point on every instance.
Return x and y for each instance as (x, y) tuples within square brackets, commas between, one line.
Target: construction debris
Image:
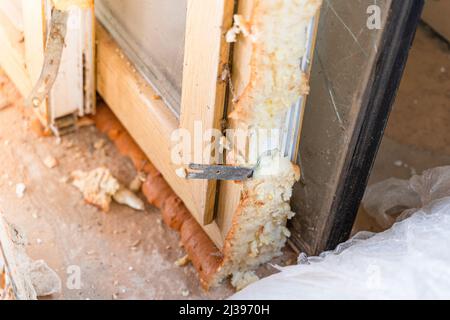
[(98, 186), (99, 144), (64, 179), (4, 103), (45, 281), (20, 190), (2, 276), (182, 262), (32, 278), (136, 184), (135, 244), (240, 280), (127, 197), (239, 26), (85, 122), (6, 292), (50, 162), (185, 293)]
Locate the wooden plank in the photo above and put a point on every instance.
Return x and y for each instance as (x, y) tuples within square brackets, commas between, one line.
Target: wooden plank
[(203, 95), (12, 248), (74, 88), (34, 32), (67, 93), (230, 192), (436, 14), (145, 116)]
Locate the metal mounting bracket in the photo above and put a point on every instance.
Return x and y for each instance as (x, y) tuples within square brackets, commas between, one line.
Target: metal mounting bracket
[(67, 80)]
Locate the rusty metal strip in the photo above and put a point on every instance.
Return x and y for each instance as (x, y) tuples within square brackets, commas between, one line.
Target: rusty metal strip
[(52, 59)]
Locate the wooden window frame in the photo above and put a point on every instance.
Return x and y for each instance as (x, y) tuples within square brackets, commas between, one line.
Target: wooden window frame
[(151, 123), (203, 98)]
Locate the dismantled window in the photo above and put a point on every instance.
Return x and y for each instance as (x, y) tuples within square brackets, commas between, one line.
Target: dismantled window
[(152, 33)]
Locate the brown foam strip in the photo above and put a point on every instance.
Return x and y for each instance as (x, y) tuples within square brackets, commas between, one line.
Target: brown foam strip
[(202, 252)]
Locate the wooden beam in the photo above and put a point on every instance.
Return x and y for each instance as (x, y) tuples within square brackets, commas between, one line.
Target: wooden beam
[(203, 95), (146, 117), (230, 192), (34, 32), (12, 248)]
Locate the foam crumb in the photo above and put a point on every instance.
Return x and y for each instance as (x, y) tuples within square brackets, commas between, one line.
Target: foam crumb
[(46, 282), (20, 190), (183, 261), (240, 280), (128, 198), (98, 186), (240, 26), (136, 184), (50, 162), (185, 293), (181, 172), (99, 144)]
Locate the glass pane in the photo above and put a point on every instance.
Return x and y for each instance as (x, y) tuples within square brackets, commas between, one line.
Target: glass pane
[(152, 34), (345, 56)]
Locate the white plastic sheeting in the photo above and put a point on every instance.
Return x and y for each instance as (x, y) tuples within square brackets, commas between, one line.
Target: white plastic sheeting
[(411, 260)]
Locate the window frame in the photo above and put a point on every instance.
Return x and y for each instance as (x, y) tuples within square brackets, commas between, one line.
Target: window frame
[(202, 99), (152, 122)]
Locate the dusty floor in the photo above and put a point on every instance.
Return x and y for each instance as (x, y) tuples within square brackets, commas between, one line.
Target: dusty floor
[(418, 133), (123, 254)]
